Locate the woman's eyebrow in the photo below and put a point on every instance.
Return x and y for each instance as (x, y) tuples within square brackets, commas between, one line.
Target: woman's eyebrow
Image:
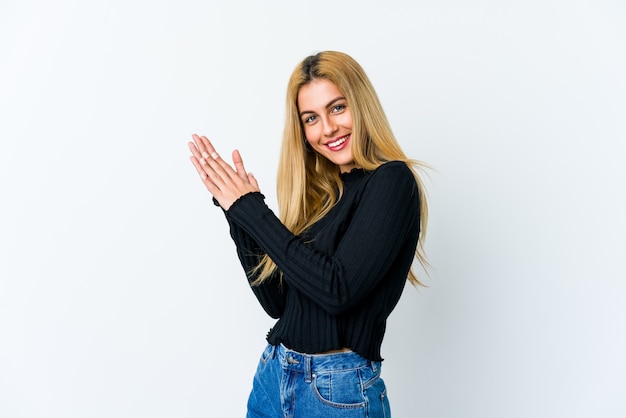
[(330, 104)]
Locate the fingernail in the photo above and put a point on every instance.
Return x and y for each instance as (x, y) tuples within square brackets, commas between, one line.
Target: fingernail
[(205, 155), (214, 154), (202, 161)]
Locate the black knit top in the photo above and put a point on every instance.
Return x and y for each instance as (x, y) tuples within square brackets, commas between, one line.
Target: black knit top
[(345, 274)]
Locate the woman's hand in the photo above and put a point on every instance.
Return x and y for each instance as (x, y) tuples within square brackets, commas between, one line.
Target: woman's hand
[(225, 183)]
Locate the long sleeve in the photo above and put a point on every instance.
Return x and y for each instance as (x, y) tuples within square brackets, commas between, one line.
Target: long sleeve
[(270, 294), (386, 215)]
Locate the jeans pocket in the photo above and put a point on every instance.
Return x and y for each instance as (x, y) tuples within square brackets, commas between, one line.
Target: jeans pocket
[(339, 389), (370, 375), (267, 354)]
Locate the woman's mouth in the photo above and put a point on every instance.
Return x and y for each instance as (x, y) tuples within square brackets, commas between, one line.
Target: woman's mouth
[(338, 144)]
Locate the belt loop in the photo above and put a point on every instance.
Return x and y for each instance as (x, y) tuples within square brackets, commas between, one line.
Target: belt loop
[(307, 369), (374, 366)]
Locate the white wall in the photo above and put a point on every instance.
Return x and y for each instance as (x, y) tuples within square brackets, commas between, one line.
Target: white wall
[(120, 291)]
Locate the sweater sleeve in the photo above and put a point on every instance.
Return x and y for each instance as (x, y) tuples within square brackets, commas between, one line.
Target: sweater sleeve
[(270, 294), (387, 212)]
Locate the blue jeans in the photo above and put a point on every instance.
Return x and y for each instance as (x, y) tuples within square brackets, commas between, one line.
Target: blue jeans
[(289, 384)]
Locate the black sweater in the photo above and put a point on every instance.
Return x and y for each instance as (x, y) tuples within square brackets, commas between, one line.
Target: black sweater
[(345, 274)]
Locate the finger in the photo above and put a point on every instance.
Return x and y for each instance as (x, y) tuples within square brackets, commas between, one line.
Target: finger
[(207, 176), (194, 150), (253, 182), (206, 156), (224, 170), (199, 168), (213, 163), (239, 168), (199, 144), (205, 170), (208, 147)]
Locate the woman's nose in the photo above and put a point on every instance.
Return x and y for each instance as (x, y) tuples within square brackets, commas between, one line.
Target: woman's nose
[(330, 127)]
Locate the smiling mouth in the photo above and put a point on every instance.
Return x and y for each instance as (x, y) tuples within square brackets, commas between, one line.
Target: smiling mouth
[(338, 142)]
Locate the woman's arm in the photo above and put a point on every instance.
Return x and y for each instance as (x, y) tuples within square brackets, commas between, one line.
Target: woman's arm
[(270, 294), (386, 215)]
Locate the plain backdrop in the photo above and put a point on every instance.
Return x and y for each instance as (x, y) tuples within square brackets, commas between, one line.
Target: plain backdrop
[(120, 290)]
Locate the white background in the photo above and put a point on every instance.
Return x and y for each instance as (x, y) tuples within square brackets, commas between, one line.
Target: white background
[(120, 290)]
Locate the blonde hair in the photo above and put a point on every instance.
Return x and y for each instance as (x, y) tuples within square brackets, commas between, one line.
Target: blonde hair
[(308, 183)]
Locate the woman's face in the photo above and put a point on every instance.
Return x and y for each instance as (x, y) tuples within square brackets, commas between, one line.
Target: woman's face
[(327, 121)]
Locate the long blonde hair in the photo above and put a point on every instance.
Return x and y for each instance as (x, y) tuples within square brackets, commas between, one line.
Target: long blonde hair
[(308, 183)]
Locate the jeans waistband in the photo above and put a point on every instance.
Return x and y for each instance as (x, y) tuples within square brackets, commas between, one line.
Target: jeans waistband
[(310, 364)]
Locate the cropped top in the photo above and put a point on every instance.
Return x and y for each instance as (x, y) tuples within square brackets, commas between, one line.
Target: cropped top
[(344, 275)]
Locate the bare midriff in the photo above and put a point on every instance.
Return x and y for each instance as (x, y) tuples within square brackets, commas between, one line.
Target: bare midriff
[(339, 350)]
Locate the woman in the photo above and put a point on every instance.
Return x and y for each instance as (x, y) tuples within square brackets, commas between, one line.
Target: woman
[(333, 266)]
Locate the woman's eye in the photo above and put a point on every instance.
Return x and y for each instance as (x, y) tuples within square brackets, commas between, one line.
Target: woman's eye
[(309, 119), (338, 108)]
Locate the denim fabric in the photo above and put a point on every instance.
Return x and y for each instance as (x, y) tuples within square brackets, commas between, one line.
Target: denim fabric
[(294, 385)]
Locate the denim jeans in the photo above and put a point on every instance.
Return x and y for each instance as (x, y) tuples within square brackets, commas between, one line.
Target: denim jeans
[(288, 384)]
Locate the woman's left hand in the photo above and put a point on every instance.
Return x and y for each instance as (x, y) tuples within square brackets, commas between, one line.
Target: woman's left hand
[(226, 184)]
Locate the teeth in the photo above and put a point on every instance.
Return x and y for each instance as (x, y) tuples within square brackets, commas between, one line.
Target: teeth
[(338, 142)]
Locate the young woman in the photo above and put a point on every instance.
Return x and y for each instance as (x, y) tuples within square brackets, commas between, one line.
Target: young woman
[(332, 267)]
